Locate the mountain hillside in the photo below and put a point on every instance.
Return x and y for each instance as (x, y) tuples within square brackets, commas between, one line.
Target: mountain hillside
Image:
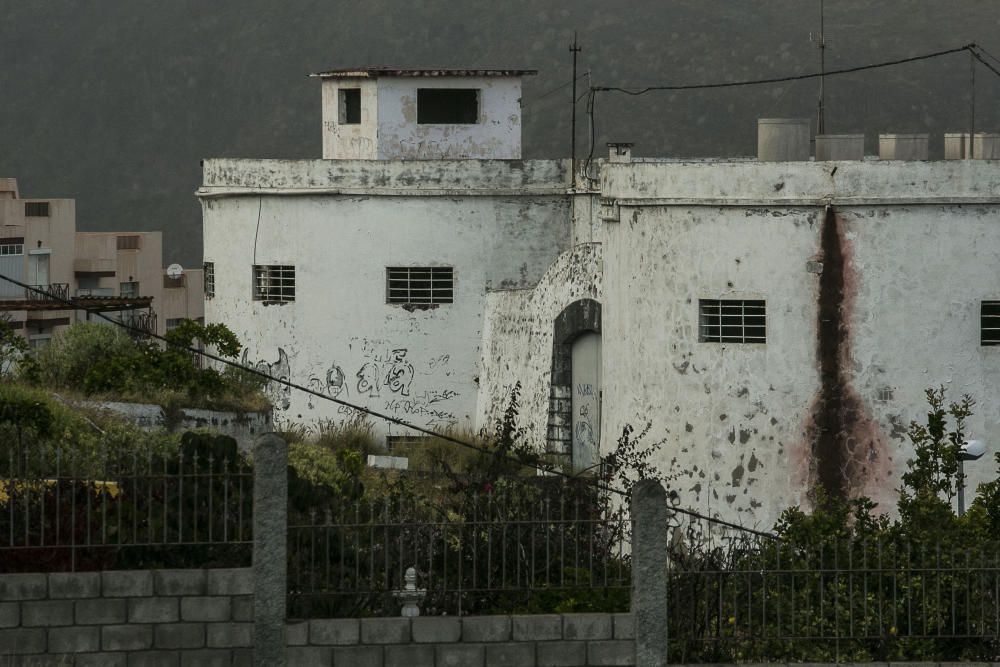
[(114, 102)]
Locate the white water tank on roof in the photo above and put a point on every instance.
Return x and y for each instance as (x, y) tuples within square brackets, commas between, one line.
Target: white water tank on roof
[(783, 139), (840, 146), (903, 146)]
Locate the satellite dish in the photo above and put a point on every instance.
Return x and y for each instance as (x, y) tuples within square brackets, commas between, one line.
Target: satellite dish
[(175, 271)]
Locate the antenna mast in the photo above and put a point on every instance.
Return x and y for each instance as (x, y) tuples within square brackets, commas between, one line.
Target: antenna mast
[(574, 49), (821, 111)]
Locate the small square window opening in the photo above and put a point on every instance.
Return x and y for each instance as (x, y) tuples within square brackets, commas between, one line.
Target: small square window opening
[(447, 106), (420, 285), (274, 283), (989, 323), (349, 105), (732, 321)]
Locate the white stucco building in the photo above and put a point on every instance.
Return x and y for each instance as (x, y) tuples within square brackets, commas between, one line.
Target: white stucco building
[(775, 321)]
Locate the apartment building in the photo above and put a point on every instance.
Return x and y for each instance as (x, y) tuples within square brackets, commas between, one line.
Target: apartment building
[(117, 274)]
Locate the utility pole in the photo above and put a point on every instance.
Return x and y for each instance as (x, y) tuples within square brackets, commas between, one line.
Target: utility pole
[(821, 115), (574, 49), (969, 154)]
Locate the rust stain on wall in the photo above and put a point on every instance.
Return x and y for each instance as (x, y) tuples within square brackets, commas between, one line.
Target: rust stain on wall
[(845, 442)]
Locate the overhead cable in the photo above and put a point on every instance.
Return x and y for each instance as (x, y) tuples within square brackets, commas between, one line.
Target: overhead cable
[(783, 79), (372, 413)]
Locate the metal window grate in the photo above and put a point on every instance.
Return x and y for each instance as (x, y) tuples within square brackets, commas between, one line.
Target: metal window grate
[(36, 209), (11, 249), (989, 323), (274, 283), (128, 242), (209, 280), (420, 285), (732, 321)]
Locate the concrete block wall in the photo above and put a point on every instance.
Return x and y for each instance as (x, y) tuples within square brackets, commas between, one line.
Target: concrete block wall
[(548, 640), (127, 618)]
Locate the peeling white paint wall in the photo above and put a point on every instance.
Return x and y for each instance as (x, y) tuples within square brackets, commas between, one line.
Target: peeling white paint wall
[(921, 244), (341, 224), (389, 130), (517, 338), (496, 136)]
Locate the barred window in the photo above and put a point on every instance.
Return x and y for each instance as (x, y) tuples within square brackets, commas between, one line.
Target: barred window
[(11, 247), (209, 280), (36, 209), (420, 285), (732, 321), (989, 323), (128, 242), (405, 444), (174, 322), (274, 283)]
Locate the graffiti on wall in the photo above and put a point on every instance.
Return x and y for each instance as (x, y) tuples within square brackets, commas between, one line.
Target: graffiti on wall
[(279, 394), (333, 384), (389, 374)]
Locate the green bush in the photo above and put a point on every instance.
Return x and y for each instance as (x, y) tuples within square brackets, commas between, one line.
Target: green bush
[(102, 361)]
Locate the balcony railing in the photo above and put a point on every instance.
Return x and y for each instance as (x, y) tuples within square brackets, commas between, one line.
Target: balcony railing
[(144, 322), (97, 292), (50, 292)]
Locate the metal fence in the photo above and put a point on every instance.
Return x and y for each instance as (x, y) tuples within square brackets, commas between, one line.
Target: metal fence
[(524, 549), (851, 600), (102, 509)]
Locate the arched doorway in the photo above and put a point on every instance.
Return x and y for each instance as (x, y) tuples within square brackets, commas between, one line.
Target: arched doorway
[(575, 391)]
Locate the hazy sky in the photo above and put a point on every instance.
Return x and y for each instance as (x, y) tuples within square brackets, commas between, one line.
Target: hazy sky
[(114, 102)]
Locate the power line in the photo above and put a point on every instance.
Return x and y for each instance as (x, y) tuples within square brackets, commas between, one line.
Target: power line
[(783, 79), (389, 418)]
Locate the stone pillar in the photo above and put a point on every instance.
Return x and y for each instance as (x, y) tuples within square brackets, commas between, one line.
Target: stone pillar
[(650, 542), (270, 535)]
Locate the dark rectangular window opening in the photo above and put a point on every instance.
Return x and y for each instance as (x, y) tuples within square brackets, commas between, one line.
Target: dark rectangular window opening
[(128, 242), (36, 209), (209, 280), (173, 283), (349, 103), (447, 106), (274, 284), (420, 285), (989, 323), (732, 321)]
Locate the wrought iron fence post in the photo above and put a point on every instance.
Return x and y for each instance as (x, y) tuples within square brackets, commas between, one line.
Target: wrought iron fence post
[(650, 541), (270, 535)]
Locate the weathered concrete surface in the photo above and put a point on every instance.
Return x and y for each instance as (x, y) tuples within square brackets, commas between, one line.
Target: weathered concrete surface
[(389, 130), (242, 427), (226, 176), (270, 560), (901, 267), (517, 337), (650, 545), (340, 337)]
